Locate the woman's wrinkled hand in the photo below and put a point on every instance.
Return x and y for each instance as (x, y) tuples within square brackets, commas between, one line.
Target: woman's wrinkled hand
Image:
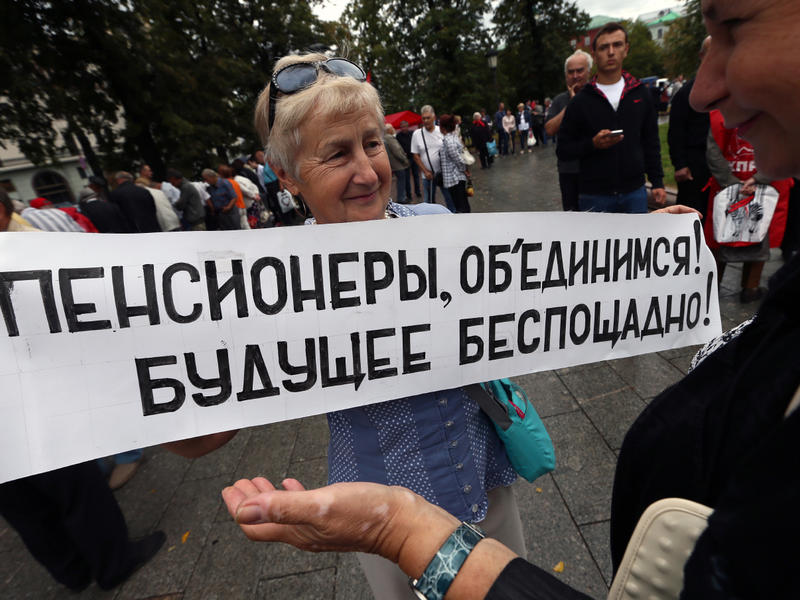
[(360, 517)]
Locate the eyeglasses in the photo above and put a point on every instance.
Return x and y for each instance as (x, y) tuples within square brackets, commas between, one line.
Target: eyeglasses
[(294, 78)]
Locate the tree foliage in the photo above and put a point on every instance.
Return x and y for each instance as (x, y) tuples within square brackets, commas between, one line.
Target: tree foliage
[(682, 42), (645, 57), (423, 51), (537, 36), (166, 83)]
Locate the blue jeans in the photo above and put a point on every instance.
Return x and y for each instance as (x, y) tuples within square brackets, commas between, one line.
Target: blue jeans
[(412, 176), (402, 190), (429, 194), (502, 138), (632, 202)]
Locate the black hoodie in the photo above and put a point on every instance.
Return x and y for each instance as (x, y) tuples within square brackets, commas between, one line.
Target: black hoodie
[(621, 168)]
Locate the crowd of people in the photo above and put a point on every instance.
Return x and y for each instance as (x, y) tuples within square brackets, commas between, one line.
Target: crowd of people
[(718, 437)]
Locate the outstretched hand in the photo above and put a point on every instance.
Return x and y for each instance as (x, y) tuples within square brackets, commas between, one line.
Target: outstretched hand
[(359, 517)]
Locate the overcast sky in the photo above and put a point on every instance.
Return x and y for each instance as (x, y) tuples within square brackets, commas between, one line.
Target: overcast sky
[(624, 9)]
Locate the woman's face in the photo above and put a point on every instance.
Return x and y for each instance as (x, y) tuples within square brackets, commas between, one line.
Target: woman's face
[(751, 73), (344, 172)]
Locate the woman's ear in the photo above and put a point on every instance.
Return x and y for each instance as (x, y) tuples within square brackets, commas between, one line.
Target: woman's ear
[(287, 181)]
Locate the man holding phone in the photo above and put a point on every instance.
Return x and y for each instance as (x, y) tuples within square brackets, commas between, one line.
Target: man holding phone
[(611, 127)]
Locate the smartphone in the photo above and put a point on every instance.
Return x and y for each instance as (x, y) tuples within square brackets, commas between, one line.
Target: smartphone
[(615, 132)]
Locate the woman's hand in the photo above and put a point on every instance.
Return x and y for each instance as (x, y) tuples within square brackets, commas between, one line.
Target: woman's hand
[(749, 186), (364, 517), (678, 209)]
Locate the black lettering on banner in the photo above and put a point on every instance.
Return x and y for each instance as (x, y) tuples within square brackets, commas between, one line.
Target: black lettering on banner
[(601, 272), (414, 362), (554, 260), (641, 257), (147, 385), (527, 347), (495, 344), (72, 310), (575, 336), (631, 321), (45, 278), (374, 370), (682, 259), (371, 284), (622, 260), (337, 285), (528, 273), (465, 341), (217, 293), (693, 310), (169, 297), (661, 242), (470, 252), (125, 312), (299, 295), (432, 274), (496, 265), (254, 363), (309, 369), (653, 314), (604, 331), (403, 272), (279, 269), (342, 377), (581, 266), (678, 319), (223, 382), (549, 314)]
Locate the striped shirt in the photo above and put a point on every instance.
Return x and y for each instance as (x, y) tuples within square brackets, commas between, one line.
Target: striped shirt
[(51, 219)]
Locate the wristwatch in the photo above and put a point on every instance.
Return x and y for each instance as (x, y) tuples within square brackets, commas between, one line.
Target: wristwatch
[(440, 572)]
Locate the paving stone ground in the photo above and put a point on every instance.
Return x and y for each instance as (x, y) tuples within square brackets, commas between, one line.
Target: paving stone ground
[(565, 515)]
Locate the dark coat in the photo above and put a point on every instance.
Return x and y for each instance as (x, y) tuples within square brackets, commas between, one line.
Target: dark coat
[(621, 168), (106, 217), (137, 204)]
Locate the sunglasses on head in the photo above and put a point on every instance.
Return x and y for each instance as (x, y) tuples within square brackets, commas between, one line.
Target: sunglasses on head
[(294, 78)]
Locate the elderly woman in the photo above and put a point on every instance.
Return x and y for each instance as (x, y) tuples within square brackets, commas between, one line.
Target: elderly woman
[(727, 435), (454, 170), (324, 127)]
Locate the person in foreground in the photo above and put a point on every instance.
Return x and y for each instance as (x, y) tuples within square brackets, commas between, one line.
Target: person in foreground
[(324, 128), (727, 435)]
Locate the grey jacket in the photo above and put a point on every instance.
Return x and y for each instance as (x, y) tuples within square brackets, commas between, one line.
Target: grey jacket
[(397, 156)]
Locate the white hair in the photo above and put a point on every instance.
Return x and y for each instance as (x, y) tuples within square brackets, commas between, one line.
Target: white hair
[(329, 95), (579, 54), (427, 109)]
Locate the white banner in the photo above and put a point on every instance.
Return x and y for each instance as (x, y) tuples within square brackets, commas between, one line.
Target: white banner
[(113, 342)]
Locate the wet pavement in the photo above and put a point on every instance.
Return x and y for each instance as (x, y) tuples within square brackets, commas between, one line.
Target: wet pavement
[(587, 410)]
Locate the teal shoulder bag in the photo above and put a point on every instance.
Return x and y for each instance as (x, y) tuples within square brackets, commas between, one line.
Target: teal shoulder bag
[(527, 443)]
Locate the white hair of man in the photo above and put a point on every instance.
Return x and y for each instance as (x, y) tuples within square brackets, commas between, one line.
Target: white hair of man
[(578, 54), (427, 109)]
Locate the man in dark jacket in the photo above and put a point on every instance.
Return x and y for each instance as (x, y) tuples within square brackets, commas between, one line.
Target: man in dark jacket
[(136, 203), (611, 126), (688, 134), (190, 203)]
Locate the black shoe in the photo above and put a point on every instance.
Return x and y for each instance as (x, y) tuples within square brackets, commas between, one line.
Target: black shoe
[(142, 550), (749, 295)]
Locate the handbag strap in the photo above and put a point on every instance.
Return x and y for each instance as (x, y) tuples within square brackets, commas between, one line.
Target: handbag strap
[(793, 404), (430, 163), (493, 408)]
